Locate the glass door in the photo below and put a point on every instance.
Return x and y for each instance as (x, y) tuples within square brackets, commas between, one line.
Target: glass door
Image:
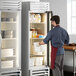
[(38, 31), (10, 32)]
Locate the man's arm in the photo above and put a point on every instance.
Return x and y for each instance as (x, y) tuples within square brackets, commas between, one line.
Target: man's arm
[(47, 38), (67, 40)]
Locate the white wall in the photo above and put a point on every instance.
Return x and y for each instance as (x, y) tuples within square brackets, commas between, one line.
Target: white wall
[(59, 7), (30, 0)]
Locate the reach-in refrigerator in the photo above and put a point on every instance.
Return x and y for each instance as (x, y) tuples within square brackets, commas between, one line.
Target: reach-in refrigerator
[(10, 31), (35, 25)]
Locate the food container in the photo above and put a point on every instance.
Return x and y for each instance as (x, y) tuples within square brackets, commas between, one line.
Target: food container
[(3, 19), (37, 46), (41, 36), (11, 19), (38, 18), (8, 34), (7, 52), (39, 61), (7, 64), (37, 36), (32, 61), (43, 48), (32, 18), (2, 34), (7, 19), (34, 34)]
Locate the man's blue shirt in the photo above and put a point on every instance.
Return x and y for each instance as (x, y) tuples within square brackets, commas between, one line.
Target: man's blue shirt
[(58, 37)]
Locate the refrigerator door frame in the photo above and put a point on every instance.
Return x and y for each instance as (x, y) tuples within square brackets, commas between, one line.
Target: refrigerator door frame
[(49, 27), (19, 59), (47, 23), (48, 14), (0, 42)]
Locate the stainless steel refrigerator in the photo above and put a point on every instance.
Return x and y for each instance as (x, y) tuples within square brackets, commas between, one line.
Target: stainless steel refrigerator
[(35, 25), (10, 37)]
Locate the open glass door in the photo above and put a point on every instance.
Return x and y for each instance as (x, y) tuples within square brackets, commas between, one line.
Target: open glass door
[(10, 48)]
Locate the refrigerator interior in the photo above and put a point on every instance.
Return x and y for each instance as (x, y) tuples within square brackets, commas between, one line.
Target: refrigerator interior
[(10, 38), (38, 31)]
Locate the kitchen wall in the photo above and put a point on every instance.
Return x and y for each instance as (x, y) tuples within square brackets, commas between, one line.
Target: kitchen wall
[(72, 38), (59, 7), (30, 0)]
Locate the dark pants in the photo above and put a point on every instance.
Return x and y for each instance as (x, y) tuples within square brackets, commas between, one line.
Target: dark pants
[(58, 70)]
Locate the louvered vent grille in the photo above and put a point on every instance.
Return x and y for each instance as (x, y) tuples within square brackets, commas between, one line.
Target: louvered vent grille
[(10, 4)]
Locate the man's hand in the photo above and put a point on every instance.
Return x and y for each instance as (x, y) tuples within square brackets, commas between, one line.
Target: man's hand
[(41, 43)]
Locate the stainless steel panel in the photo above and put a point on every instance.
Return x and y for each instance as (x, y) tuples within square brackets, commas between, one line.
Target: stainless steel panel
[(68, 60), (25, 38), (11, 74)]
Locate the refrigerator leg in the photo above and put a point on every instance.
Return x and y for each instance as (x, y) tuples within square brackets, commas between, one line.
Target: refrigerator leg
[(74, 63), (20, 73), (48, 72)]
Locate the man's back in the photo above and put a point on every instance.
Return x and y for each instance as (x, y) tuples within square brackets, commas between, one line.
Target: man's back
[(59, 38)]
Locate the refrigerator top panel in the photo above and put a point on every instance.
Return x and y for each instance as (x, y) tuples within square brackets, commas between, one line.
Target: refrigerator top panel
[(39, 6), (10, 4)]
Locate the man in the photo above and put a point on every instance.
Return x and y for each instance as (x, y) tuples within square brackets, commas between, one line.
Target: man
[(58, 37)]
